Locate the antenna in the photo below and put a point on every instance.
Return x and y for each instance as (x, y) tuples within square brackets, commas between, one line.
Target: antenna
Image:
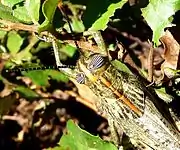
[(60, 6), (39, 68)]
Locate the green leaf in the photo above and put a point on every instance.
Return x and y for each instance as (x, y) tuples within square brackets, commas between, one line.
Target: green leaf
[(25, 54), (77, 25), (163, 95), (14, 42), (33, 7), (48, 9), (76, 22), (6, 13), (27, 93), (97, 19), (121, 66), (1, 78), (57, 75), (2, 34), (158, 15), (41, 77), (78, 139), (21, 13), (18, 14), (6, 103), (57, 148), (42, 45), (66, 49), (11, 3), (102, 21), (38, 77)]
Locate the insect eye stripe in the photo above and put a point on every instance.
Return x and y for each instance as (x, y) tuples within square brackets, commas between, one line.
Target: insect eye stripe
[(80, 78), (96, 62), (87, 73)]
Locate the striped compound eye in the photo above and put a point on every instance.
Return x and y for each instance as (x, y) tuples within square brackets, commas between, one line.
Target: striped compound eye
[(97, 61), (80, 78)]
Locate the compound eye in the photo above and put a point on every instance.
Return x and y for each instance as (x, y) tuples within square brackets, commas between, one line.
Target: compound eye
[(80, 78), (97, 61)]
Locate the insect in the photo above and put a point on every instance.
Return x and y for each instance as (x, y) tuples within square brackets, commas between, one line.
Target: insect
[(127, 104), (125, 101)]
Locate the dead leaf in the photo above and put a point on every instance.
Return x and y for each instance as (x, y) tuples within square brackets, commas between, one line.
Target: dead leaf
[(171, 54), (6, 103)]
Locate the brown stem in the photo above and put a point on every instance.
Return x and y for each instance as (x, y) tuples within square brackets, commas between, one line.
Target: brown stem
[(150, 63), (18, 26)]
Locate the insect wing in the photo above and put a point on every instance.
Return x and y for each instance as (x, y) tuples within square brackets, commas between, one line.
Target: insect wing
[(132, 89), (130, 95)]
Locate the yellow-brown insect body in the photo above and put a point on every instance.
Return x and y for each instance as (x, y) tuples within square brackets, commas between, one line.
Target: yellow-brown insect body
[(123, 98)]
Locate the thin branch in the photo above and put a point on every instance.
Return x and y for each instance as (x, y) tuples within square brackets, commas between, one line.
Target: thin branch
[(8, 25)]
